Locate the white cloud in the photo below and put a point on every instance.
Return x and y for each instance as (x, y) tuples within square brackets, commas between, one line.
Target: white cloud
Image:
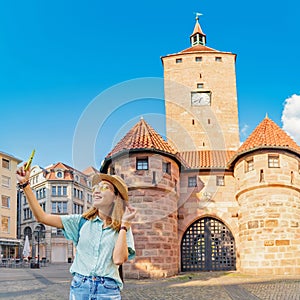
[(291, 117), (244, 131)]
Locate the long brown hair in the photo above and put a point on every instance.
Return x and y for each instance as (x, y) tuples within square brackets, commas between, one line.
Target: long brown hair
[(117, 212)]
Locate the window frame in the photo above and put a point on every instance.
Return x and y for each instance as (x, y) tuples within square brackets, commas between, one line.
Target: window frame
[(3, 218), (142, 164), (5, 178), (7, 199), (5, 163), (192, 181), (249, 164), (273, 161), (220, 180), (166, 167)]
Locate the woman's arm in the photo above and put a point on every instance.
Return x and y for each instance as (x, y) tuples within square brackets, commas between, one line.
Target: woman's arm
[(120, 254), (38, 212)]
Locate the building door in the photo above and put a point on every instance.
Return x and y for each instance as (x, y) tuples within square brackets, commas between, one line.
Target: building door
[(207, 245)]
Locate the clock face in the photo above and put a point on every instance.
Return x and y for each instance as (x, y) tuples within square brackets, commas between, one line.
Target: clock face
[(200, 98)]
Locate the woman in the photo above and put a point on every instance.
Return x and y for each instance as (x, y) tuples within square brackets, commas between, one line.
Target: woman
[(103, 242)]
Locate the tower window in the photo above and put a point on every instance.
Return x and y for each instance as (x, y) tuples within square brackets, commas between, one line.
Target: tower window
[(218, 58), (261, 175), (166, 167), (198, 58), (273, 161), (220, 180), (192, 181), (142, 163), (200, 85), (249, 165), (178, 60)]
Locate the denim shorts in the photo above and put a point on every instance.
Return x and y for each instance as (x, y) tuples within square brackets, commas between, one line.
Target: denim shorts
[(94, 288)]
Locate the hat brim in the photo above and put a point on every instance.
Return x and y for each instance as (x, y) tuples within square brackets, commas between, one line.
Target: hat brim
[(115, 181)]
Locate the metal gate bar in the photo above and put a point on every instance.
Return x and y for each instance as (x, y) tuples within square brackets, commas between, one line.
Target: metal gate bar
[(208, 245)]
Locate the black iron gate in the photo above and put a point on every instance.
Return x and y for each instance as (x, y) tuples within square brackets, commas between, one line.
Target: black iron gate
[(207, 245)]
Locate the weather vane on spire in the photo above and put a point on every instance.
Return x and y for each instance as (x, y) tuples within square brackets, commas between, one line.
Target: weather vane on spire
[(198, 15)]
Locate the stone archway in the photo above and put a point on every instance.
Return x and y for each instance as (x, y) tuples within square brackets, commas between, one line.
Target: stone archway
[(208, 245)]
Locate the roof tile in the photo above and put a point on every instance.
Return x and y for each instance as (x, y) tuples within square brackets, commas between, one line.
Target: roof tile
[(268, 134), (198, 48), (142, 136), (206, 158)]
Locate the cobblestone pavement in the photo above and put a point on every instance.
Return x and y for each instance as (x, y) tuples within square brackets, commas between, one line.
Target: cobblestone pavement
[(52, 282)]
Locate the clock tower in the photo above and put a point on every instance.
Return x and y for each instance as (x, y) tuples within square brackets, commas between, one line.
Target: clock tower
[(200, 97)]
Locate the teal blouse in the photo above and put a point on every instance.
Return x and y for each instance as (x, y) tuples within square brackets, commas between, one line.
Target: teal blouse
[(95, 247)]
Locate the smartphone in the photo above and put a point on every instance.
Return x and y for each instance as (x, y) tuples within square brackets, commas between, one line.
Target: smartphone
[(28, 164)]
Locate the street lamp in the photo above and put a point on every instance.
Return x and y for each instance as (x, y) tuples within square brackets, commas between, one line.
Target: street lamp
[(37, 234)]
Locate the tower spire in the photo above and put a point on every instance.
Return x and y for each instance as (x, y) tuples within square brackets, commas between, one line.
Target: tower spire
[(197, 37)]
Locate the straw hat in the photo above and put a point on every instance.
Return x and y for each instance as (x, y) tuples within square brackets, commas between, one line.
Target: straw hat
[(115, 180)]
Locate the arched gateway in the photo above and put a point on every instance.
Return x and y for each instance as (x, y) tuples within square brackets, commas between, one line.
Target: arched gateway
[(207, 245)]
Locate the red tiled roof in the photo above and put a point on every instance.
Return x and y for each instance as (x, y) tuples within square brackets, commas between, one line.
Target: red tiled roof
[(50, 172), (90, 171), (206, 158), (198, 48), (268, 134), (60, 166), (142, 136)]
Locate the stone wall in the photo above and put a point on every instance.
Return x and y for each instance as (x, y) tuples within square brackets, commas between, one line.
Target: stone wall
[(269, 215), (201, 127), (155, 228)]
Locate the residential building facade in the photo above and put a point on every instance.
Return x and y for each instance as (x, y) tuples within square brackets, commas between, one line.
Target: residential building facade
[(59, 189), (9, 243)]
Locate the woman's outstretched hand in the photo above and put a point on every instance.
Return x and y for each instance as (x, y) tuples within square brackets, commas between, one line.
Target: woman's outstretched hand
[(22, 175)]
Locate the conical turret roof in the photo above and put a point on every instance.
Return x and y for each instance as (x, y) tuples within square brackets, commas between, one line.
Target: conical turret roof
[(142, 136), (268, 134)]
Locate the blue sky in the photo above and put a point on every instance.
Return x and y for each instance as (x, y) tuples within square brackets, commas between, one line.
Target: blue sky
[(59, 58)]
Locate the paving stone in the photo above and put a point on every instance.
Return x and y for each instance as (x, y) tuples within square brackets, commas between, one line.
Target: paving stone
[(53, 282)]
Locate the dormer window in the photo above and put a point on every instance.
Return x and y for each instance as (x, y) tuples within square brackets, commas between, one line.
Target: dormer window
[(59, 174)]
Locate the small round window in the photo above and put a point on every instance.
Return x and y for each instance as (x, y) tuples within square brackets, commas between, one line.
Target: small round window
[(59, 174)]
